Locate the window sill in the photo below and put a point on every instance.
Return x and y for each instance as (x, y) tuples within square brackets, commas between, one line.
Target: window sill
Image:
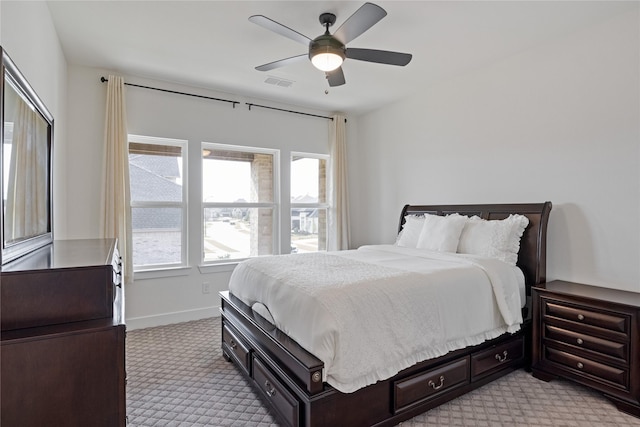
[(218, 268), (161, 273)]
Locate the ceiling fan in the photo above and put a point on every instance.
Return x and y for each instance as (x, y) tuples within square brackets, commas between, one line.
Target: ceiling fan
[(328, 51)]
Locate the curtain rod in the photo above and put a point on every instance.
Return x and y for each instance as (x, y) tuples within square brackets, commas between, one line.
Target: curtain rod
[(103, 80), (289, 111)]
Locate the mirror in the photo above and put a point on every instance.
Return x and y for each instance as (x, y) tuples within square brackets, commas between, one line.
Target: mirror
[(27, 134)]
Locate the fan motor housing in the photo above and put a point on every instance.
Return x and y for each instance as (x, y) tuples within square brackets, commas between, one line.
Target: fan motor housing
[(326, 43)]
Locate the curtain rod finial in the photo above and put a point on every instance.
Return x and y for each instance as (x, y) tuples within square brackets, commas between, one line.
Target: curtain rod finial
[(102, 79)]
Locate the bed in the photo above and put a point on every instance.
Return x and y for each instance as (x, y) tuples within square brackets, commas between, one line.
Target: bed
[(297, 384)]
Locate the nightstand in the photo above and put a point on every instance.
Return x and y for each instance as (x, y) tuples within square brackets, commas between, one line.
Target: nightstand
[(589, 335)]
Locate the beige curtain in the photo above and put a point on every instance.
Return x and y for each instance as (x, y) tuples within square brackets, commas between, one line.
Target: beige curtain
[(116, 209), (339, 212), (26, 212)]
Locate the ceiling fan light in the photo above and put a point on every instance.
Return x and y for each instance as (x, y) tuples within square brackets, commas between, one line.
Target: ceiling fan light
[(327, 61), (326, 52)]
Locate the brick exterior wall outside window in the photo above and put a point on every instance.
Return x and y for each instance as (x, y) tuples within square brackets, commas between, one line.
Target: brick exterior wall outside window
[(322, 197), (261, 219)]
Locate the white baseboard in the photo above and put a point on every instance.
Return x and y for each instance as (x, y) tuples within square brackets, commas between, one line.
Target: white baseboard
[(169, 318)]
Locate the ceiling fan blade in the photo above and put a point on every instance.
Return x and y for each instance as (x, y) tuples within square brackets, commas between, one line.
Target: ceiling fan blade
[(282, 62), (277, 27), (336, 77), (361, 20), (379, 56)]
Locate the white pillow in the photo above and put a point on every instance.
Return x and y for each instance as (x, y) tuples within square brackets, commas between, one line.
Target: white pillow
[(498, 239), (411, 229), (441, 233)]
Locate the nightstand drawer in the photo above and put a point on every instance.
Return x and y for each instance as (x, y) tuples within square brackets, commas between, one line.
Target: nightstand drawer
[(585, 366), (412, 390), (607, 347), (610, 321)]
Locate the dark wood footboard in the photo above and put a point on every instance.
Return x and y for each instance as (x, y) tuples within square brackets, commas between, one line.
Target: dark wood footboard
[(289, 379)]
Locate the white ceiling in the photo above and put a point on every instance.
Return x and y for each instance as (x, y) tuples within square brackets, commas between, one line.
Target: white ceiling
[(211, 44)]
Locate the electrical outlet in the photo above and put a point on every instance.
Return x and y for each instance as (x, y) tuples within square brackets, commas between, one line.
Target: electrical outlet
[(205, 288)]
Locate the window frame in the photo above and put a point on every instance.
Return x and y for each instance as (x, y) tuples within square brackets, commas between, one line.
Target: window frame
[(319, 205), (274, 205), (183, 205)]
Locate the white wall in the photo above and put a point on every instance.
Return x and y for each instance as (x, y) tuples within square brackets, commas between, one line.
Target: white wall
[(559, 122), (169, 299), (27, 34)]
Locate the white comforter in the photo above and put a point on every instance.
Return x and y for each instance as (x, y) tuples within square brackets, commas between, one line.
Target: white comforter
[(369, 313)]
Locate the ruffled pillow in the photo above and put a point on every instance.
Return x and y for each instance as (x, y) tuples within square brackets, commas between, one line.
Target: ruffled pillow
[(498, 239), (411, 229), (441, 233)]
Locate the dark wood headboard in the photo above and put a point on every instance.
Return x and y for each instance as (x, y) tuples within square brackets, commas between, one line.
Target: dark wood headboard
[(532, 258)]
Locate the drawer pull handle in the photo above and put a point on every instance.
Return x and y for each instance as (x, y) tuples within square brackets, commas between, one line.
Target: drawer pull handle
[(580, 317), (502, 358), (579, 341), (434, 386), (580, 365), (269, 388), (233, 344)]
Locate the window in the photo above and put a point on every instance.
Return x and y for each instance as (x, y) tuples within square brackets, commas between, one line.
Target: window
[(158, 202), (239, 201), (308, 202)]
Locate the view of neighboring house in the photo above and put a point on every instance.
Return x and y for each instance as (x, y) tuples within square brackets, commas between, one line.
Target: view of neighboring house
[(304, 220), (156, 231)]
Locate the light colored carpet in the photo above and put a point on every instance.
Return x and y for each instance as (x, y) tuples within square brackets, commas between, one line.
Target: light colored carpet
[(177, 377)]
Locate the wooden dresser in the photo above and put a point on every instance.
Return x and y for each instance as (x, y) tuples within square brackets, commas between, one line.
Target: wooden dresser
[(589, 335), (62, 352)]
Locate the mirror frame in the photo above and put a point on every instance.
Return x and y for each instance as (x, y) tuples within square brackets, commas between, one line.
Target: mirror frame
[(12, 250)]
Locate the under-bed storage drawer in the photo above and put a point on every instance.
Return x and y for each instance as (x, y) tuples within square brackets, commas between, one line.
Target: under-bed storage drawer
[(414, 390), (236, 348), (497, 357), (276, 392)]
